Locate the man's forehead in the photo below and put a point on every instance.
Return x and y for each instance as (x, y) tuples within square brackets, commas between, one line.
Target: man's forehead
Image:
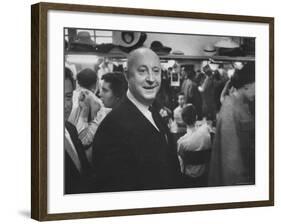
[(145, 58)]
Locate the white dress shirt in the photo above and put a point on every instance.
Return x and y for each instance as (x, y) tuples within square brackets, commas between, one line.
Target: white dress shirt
[(142, 108), (195, 139), (71, 150)]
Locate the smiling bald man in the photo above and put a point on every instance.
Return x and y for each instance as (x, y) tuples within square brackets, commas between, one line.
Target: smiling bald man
[(133, 148)]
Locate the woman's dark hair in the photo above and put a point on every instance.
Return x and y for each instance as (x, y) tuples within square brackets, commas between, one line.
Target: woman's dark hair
[(69, 75), (118, 83), (87, 78), (189, 114), (244, 76)]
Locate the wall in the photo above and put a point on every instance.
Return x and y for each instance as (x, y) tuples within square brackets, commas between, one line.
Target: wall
[(15, 112)]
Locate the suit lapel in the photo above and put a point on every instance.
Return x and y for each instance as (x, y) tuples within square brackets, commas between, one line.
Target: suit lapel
[(78, 146), (138, 117), (141, 121)]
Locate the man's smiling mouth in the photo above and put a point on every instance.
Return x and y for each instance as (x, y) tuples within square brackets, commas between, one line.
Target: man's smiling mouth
[(150, 87)]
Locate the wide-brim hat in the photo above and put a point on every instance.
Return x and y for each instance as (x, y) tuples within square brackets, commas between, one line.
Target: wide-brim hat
[(226, 43), (83, 43), (177, 52), (126, 38), (116, 51), (228, 47), (159, 48), (84, 38)]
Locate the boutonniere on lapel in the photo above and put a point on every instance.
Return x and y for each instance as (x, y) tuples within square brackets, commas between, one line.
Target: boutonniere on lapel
[(166, 114), (163, 113)]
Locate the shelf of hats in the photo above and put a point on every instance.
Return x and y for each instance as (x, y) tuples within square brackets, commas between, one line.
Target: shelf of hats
[(83, 45), (180, 55)]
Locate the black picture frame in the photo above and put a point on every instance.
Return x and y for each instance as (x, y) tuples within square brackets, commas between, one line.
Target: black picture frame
[(39, 108)]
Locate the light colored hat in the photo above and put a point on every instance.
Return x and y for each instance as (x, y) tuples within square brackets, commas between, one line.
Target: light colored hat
[(226, 42), (209, 50), (177, 52), (83, 37)]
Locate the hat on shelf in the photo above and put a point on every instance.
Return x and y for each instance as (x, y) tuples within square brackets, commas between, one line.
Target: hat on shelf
[(126, 38), (83, 37), (226, 42), (116, 51), (209, 50), (177, 52), (159, 48), (228, 47), (83, 42)]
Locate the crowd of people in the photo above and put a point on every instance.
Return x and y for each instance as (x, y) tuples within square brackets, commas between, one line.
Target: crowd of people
[(124, 132)]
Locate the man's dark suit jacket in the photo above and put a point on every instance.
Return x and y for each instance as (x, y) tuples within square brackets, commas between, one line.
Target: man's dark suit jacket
[(75, 181), (129, 153)]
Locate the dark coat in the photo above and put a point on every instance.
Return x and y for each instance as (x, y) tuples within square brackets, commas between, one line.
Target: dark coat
[(75, 181), (129, 153), (193, 96)]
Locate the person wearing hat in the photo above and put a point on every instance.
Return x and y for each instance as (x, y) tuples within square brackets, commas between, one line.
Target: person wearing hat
[(133, 148)]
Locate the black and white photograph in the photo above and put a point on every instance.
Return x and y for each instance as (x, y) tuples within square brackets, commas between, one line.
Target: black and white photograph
[(145, 111), (157, 111)]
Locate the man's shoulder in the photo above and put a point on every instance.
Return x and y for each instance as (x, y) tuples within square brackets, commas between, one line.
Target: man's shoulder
[(115, 127), (120, 115)]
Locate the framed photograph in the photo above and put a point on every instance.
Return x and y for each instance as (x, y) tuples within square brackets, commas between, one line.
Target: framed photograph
[(139, 111)]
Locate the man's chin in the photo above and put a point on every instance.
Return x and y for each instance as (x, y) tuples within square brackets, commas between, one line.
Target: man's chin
[(149, 98)]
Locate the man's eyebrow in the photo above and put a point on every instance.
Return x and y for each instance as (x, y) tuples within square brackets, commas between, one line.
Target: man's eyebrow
[(154, 66)]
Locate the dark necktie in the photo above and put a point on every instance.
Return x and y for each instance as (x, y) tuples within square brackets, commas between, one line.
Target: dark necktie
[(159, 122)]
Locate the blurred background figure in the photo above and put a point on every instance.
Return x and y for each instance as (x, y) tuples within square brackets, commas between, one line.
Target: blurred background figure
[(106, 66), (233, 156), (207, 90), (113, 89), (76, 166), (87, 111), (191, 92), (196, 140), (180, 125)]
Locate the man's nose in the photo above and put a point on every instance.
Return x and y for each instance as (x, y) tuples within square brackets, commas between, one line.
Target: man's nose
[(150, 78)]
